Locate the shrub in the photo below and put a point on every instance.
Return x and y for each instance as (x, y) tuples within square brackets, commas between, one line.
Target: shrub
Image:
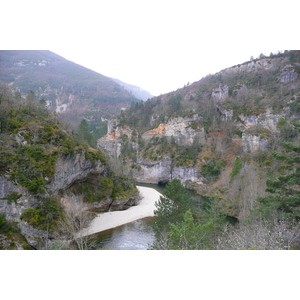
[(2, 220), (14, 196), (95, 155), (32, 216), (45, 216), (236, 167), (212, 169)]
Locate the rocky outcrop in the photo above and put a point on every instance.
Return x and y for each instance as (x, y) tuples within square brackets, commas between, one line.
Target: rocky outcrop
[(253, 143), (221, 93), (112, 147), (180, 129), (288, 74), (155, 172), (71, 169), (112, 142), (226, 114), (162, 172), (252, 66), (266, 120), (13, 210), (183, 131)]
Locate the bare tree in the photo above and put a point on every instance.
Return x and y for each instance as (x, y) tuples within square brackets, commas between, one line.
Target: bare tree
[(75, 220), (261, 234)]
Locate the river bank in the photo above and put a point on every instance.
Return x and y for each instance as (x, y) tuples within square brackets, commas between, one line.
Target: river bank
[(109, 220)]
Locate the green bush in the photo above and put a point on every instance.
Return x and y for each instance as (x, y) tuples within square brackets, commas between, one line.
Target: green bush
[(14, 196), (95, 189), (95, 156), (32, 216), (237, 166), (45, 216), (2, 220), (212, 169)]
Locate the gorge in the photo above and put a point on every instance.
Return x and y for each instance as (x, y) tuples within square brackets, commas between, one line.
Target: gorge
[(232, 137)]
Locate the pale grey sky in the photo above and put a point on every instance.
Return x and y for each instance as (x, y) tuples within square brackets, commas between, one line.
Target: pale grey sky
[(159, 45)]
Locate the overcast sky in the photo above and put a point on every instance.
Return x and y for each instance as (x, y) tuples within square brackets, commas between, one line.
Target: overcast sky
[(157, 45)]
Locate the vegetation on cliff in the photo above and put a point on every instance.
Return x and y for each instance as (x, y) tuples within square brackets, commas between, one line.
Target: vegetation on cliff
[(249, 155), (32, 140)]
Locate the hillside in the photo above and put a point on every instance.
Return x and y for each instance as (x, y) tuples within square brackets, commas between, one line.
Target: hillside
[(219, 136), (68, 88), (51, 180)]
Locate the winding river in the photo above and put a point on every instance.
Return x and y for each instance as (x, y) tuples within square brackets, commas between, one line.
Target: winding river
[(136, 235)]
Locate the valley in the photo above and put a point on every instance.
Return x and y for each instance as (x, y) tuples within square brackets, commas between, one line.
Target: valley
[(226, 147)]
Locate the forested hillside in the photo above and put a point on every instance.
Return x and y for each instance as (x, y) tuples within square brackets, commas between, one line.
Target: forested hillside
[(66, 87), (51, 179), (233, 137)]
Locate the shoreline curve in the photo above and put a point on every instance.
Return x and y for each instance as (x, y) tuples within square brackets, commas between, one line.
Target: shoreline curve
[(109, 220)]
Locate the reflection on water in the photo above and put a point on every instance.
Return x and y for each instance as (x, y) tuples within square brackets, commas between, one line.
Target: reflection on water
[(158, 187), (137, 235)]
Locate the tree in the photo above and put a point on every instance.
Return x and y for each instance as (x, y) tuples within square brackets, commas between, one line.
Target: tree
[(84, 134), (76, 219), (284, 190), (175, 104), (172, 205), (187, 235), (260, 234), (171, 211)]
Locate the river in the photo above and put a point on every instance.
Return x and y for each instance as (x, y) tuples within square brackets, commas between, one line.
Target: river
[(137, 235)]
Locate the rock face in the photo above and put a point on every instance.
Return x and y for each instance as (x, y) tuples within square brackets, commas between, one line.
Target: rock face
[(252, 66), (155, 172), (253, 143), (68, 171), (180, 129), (226, 114), (112, 142), (71, 169), (288, 74), (221, 93), (183, 132), (266, 120), (188, 176), (14, 209), (162, 172), (259, 130)]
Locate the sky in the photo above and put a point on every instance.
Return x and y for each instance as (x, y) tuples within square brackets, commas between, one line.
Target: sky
[(159, 46)]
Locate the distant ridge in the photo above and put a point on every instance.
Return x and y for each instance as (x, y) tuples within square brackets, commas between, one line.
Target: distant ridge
[(136, 91), (68, 88)]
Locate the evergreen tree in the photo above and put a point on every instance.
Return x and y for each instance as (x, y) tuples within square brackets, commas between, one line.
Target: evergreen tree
[(84, 133), (284, 191)]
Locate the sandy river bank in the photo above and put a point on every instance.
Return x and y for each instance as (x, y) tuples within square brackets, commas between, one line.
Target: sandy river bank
[(114, 219)]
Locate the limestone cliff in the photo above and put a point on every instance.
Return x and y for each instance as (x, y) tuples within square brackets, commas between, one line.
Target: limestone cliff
[(180, 129), (158, 169), (69, 171), (197, 133), (163, 171)]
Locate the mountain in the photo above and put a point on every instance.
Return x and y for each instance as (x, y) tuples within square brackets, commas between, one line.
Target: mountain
[(221, 136), (68, 88), (138, 92)]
